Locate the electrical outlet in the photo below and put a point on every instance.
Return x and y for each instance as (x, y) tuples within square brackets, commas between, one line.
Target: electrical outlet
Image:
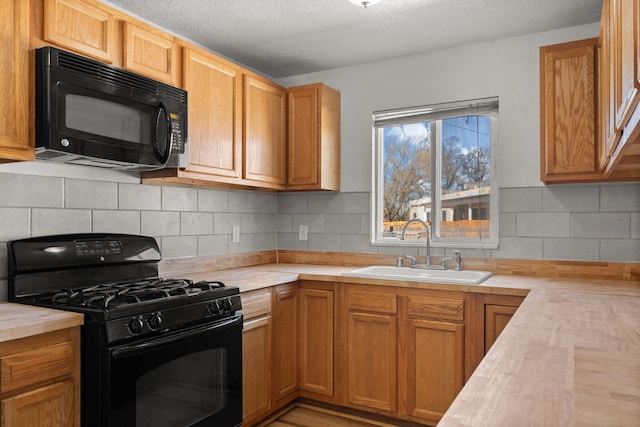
[(235, 234), (303, 232)]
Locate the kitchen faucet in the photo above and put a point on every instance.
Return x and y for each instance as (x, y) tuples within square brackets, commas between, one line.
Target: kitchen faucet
[(427, 263)]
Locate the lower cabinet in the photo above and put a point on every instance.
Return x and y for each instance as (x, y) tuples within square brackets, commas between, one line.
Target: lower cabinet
[(285, 344), (498, 310), (40, 380)]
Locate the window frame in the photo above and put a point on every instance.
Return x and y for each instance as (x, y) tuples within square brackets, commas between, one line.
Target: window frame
[(437, 241)]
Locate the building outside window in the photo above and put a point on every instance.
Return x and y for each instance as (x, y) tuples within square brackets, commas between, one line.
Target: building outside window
[(436, 163)]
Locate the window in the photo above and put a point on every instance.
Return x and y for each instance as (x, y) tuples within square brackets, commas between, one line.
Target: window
[(436, 158)]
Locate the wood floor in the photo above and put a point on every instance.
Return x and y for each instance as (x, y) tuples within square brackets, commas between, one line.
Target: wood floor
[(301, 415)]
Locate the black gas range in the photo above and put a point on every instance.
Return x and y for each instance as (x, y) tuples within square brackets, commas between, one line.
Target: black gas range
[(155, 351)]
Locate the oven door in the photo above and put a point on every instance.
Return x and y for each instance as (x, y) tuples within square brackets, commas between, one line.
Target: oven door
[(191, 377)]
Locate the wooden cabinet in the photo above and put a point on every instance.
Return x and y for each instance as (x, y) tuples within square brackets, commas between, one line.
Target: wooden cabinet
[(316, 340), (371, 350), (568, 149), (285, 344), (14, 85), (150, 52), (84, 27), (313, 142), (433, 363), (264, 132), (256, 355), (498, 310), (40, 380)]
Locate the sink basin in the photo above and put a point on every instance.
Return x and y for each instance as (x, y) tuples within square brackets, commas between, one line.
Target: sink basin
[(465, 277)]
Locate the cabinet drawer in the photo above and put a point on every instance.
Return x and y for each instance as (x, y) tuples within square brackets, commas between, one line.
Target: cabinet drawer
[(35, 366), (256, 303), (370, 301), (436, 308)]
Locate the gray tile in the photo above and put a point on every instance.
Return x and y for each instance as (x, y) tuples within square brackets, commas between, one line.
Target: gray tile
[(14, 224), (223, 222), (87, 194), (290, 241), (285, 223), (4, 263), (572, 249), (29, 191), (600, 225), (342, 223), (195, 223), (160, 223), (635, 225), (241, 201), (139, 197), (542, 224), (292, 204), (620, 250), (325, 203), (519, 247), (356, 243), (127, 222), (60, 221), (4, 290), (520, 200), (324, 242), (179, 247), (266, 203), (244, 245), (365, 223), (264, 241), (315, 222), (571, 199), (213, 245), (259, 223), (179, 199), (356, 202), (507, 224), (620, 198), (213, 200)]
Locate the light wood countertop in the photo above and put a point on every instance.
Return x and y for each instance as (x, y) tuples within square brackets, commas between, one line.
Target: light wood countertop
[(20, 321), (569, 357)]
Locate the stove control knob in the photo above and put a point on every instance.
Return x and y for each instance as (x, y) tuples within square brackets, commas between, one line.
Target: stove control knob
[(135, 325), (226, 304), (154, 321), (215, 308)]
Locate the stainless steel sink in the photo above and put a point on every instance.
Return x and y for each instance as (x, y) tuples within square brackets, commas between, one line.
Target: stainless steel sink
[(465, 277)]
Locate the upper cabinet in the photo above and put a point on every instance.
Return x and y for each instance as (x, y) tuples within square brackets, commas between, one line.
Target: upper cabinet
[(150, 52), (313, 138), (80, 26), (14, 85), (589, 102)]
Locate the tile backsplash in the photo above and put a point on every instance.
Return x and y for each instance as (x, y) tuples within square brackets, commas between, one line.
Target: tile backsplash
[(580, 222)]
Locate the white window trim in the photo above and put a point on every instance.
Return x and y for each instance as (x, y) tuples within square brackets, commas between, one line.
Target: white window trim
[(377, 186)]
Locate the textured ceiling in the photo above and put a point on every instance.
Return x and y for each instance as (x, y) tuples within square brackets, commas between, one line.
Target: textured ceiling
[(282, 38)]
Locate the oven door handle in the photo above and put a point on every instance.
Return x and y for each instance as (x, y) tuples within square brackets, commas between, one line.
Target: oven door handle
[(128, 350)]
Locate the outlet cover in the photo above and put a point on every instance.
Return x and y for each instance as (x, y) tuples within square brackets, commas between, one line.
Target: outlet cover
[(235, 234), (303, 233)]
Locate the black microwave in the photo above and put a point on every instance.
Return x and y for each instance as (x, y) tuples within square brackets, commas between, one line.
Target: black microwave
[(91, 113)]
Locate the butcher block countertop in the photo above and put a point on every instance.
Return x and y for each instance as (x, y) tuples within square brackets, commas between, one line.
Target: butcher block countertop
[(569, 357), (20, 321)]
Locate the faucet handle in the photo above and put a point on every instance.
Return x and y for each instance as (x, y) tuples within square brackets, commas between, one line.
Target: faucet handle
[(412, 258), (458, 261), (443, 262)]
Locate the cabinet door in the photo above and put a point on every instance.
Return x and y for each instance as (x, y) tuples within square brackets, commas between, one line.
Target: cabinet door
[(264, 132), (609, 135), (150, 53), (51, 406), (372, 370), (15, 82), (215, 115), (316, 341), (625, 57), (435, 367), (81, 27), (285, 339), (568, 150), (496, 319), (256, 368)]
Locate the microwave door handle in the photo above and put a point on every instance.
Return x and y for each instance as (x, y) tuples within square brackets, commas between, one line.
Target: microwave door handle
[(130, 350), (163, 155)]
